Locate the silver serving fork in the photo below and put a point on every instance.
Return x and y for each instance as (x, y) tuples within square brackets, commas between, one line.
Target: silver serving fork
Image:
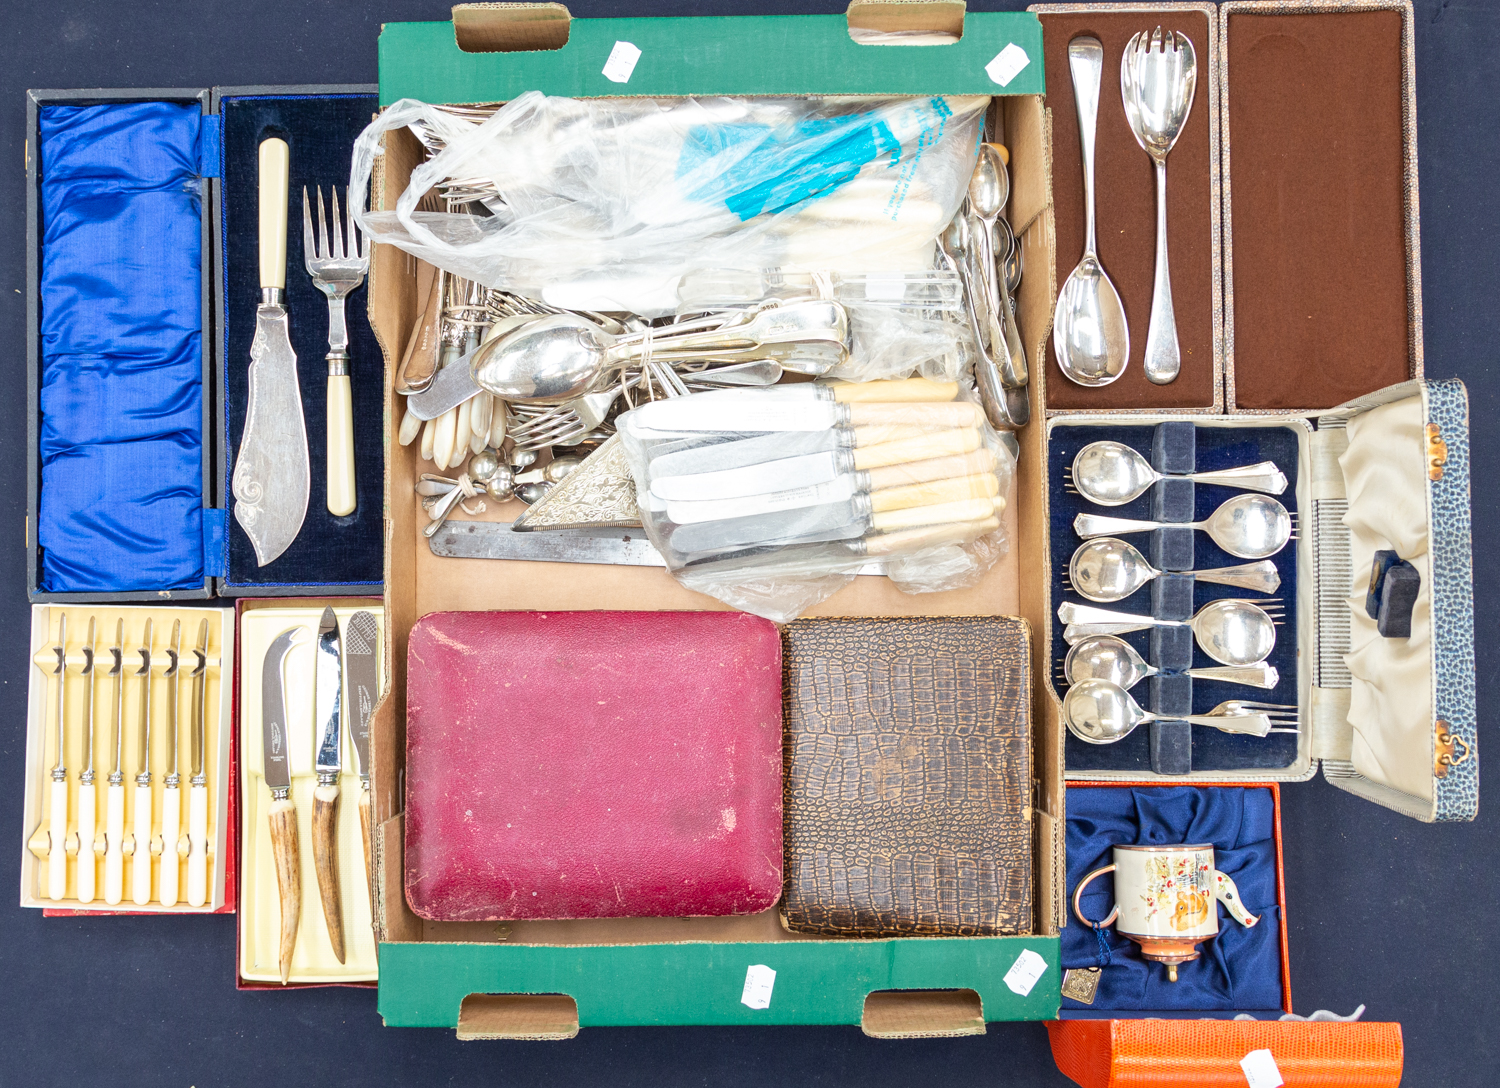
[(336, 270)]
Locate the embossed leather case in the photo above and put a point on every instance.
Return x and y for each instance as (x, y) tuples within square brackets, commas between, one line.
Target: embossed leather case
[(592, 765), (908, 776)]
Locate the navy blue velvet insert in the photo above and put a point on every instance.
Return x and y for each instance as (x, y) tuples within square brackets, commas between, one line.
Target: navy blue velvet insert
[(1217, 448), (121, 500), (320, 130), (1238, 970)]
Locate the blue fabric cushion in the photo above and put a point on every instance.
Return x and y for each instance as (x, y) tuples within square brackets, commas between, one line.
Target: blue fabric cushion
[(1240, 969), (121, 502)]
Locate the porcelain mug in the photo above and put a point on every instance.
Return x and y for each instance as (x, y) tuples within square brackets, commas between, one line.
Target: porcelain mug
[(1164, 900)]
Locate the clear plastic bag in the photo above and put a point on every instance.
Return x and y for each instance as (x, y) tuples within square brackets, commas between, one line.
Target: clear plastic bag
[(772, 499), (602, 205)]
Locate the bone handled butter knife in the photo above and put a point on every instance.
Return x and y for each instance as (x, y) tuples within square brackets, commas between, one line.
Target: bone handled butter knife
[(83, 844), (57, 822), (140, 840), (197, 857), (272, 477), (282, 814), (361, 639), (171, 791), (328, 763), (112, 844)]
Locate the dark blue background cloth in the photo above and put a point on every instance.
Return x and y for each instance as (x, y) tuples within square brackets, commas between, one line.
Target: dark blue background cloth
[(121, 501), (1238, 970)]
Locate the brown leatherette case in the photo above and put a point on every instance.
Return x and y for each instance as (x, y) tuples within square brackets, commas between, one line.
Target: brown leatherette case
[(908, 776)]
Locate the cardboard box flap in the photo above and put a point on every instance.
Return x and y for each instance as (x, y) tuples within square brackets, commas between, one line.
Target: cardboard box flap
[(756, 55)]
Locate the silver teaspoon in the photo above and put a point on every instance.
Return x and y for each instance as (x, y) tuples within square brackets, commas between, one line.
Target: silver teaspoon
[(1107, 569), (1108, 657), (989, 188), (1232, 632), (1247, 526), (1099, 712), (1158, 74), (1112, 474), (1089, 333)]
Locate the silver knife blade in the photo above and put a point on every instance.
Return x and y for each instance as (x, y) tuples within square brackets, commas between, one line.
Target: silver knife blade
[(273, 715), (496, 540), (330, 697), (705, 457), (838, 489), (361, 638), (765, 478), (724, 410), (272, 477), (450, 387), (831, 521)]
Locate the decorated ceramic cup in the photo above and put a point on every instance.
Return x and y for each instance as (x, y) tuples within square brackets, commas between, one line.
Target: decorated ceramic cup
[(1164, 900)]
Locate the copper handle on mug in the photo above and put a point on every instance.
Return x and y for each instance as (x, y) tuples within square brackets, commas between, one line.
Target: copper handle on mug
[(1078, 892)]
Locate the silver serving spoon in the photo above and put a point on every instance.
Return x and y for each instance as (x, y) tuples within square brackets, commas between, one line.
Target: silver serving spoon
[(1247, 526), (1107, 569), (1158, 74), (1099, 712), (1089, 333), (989, 188), (1108, 657), (1112, 474), (1232, 632)]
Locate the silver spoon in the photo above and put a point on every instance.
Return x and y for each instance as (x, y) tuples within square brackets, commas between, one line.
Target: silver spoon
[(1005, 412), (1089, 333), (1247, 526), (1232, 632), (1108, 657), (1107, 569), (1112, 474), (1158, 74), (1099, 712), (989, 188)]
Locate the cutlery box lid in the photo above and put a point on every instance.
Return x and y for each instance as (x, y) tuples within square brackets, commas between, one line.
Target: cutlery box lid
[(131, 502)]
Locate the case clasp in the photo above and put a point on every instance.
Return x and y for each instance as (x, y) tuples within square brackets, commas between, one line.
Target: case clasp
[(1437, 452), (1447, 743)]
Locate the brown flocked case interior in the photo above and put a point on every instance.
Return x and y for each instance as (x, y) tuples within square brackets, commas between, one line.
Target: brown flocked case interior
[(1317, 182)]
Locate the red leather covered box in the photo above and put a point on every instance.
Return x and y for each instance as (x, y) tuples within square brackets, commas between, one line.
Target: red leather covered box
[(592, 765)]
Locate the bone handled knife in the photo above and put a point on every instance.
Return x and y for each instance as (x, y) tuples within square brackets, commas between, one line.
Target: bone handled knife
[(329, 764), (272, 476), (171, 793), (85, 871), (57, 822), (197, 853), (361, 640), (112, 843), (282, 814), (140, 841)]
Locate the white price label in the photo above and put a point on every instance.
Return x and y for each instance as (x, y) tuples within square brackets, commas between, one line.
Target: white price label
[(621, 62), (1260, 1070), (1024, 972), (759, 981), (885, 286), (1007, 64)]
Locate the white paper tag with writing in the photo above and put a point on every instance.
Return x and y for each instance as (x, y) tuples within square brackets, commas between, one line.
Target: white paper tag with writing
[(1260, 1070), (759, 979), (1006, 65), (885, 286), (1024, 972), (621, 62)]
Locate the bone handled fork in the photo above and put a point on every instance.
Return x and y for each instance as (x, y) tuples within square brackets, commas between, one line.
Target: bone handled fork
[(336, 269)]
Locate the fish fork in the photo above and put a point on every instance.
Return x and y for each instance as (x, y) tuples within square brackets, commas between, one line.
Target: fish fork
[(336, 270)]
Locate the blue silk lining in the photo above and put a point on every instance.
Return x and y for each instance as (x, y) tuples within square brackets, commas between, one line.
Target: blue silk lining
[(121, 504), (1238, 970)]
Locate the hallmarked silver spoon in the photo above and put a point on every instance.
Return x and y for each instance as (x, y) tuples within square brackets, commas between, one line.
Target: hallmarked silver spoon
[(1231, 631), (1099, 712), (1112, 474), (1247, 526), (1107, 569), (1108, 657)]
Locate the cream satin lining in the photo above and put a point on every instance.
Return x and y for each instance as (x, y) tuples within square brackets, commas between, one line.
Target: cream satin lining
[(1390, 708)]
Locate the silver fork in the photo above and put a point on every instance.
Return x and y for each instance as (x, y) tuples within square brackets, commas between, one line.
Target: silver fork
[(336, 270)]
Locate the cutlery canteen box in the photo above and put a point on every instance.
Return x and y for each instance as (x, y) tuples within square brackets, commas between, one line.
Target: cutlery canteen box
[(142, 285), (546, 979)]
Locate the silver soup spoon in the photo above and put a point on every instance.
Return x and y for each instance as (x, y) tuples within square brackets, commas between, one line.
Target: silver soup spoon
[(1247, 526), (1099, 712), (1089, 333), (1107, 569), (1232, 632), (1108, 657), (1112, 474)]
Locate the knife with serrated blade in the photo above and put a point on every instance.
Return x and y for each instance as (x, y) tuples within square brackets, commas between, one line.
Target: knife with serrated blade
[(361, 639), (272, 477), (277, 771), (328, 762)]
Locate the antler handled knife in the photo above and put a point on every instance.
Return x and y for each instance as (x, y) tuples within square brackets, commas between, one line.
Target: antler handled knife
[(361, 638), (140, 851), (282, 814), (329, 764), (197, 858)]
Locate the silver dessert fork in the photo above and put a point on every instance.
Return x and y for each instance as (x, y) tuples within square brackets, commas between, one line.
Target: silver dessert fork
[(336, 270)]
